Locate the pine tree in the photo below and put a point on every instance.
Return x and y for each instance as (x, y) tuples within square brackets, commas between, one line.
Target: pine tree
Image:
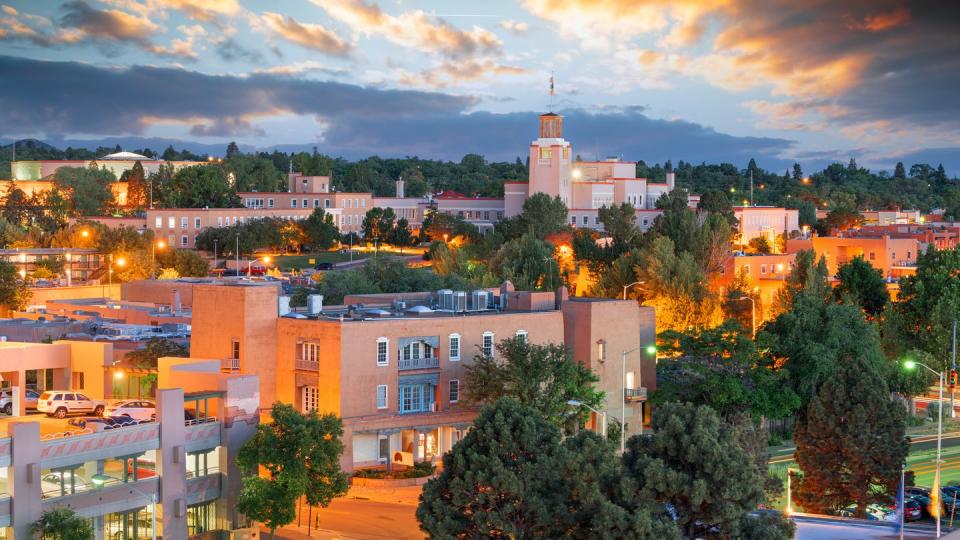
[(900, 171), (137, 187), (797, 171), (851, 442)]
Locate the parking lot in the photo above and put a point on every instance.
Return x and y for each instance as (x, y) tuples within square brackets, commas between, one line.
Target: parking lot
[(48, 426)]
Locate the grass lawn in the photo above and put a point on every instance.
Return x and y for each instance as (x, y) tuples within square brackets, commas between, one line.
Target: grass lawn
[(289, 262)]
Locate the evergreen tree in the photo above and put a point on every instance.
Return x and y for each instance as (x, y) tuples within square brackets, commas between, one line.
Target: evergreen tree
[(232, 150), (797, 172), (697, 464), (14, 292), (851, 442), (528, 263), (401, 236), (320, 230), (137, 187), (900, 171)]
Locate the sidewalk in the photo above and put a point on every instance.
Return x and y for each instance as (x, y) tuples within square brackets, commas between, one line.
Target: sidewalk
[(397, 495)]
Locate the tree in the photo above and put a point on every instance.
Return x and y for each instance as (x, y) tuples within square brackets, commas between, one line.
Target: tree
[(443, 226), (808, 274), (62, 523), (528, 263), (899, 171), (620, 222), (843, 218), (401, 236), (697, 464), (320, 230), (863, 285), (187, 263), (87, 189), (137, 187), (15, 205), (676, 285), (14, 292), (544, 377), (513, 477), (232, 150), (155, 348), (797, 172), (378, 225), (300, 454), (760, 244), (716, 201), (201, 186), (541, 216), (851, 442)]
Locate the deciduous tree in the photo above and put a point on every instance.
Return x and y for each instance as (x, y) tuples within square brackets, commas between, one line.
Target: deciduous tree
[(863, 285), (62, 523)]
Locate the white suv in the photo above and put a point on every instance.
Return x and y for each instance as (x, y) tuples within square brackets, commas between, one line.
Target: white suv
[(60, 403)]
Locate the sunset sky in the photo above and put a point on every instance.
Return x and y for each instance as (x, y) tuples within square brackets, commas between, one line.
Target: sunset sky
[(721, 80)]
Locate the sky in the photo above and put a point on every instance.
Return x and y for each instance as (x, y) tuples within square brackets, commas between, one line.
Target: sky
[(813, 81)]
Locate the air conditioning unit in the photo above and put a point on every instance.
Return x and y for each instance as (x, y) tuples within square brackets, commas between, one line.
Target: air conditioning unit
[(445, 299), (480, 300), (459, 301)]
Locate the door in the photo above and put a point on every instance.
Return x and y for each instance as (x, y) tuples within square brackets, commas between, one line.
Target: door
[(84, 403)]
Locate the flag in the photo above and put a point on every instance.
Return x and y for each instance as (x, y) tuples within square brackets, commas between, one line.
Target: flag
[(551, 84), (935, 506)]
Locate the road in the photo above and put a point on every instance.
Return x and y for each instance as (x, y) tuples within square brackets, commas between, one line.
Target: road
[(822, 530), (358, 519)]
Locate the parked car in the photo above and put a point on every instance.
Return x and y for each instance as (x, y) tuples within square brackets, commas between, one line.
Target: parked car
[(52, 485), (324, 266), (133, 408), (6, 402), (912, 509), (879, 512), (60, 403), (100, 423)]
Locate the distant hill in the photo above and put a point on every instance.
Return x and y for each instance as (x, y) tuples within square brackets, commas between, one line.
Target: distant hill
[(30, 143)]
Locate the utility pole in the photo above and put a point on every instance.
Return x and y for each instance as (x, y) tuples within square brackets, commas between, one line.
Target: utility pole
[(751, 187), (13, 174), (953, 368), (238, 255)]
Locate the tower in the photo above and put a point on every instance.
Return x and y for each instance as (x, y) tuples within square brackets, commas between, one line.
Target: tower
[(550, 160)]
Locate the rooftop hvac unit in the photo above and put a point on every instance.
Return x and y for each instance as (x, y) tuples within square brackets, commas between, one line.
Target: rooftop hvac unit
[(480, 300), (459, 301), (445, 299)]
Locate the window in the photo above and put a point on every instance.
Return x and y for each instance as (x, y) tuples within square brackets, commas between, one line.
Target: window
[(573, 220), (306, 203), (746, 268), (316, 203), (522, 334), (602, 350), (499, 215), (196, 223), (183, 222), (383, 351), (486, 215), (363, 203), (763, 269), (454, 354), (183, 241), (381, 396), (487, 344), (235, 348), (630, 380), (454, 391), (873, 256), (269, 203), (293, 203), (416, 397), (310, 352), (326, 203), (586, 220), (220, 221), (311, 398), (158, 222), (545, 153), (596, 219), (171, 222)]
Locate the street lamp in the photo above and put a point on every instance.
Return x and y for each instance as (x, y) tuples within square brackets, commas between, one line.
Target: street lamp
[(627, 286), (100, 479), (121, 262), (910, 365), (266, 260), (603, 414), (753, 315), (789, 509), (159, 244)]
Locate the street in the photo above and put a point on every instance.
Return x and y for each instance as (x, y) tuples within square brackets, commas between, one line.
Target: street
[(358, 519), (819, 530)]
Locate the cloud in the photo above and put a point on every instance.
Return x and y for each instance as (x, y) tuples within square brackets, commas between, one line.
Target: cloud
[(207, 10), (514, 27), (230, 50), (70, 98), (449, 73), (107, 24), (226, 127), (415, 29), (311, 36), (300, 68)]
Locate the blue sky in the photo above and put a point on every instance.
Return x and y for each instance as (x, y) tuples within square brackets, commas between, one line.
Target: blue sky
[(711, 81)]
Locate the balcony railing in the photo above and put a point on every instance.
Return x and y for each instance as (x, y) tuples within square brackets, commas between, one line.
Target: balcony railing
[(419, 363), (635, 394), (230, 364), (309, 365)]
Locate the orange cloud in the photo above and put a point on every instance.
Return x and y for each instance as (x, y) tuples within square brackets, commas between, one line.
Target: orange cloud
[(885, 21), (414, 29), (310, 36), (449, 73)]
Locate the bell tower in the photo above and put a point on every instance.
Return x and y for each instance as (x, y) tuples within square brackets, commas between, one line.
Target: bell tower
[(550, 160), (551, 126)]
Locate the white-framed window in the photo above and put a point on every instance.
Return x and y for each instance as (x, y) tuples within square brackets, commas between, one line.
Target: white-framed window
[(454, 390), (196, 223), (310, 352), (487, 344), (522, 334), (269, 203), (381, 396), (383, 351), (363, 203), (306, 203), (293, 203), (326, 203), (220, 221), (573, 220), (602, 350), (158, 222), (454, 354), (183, 241), (311, 398), (316, 203), (184, 221), (586, 220), (171, 222)]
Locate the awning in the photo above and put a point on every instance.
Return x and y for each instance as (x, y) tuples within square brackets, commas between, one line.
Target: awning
[(428, 378)]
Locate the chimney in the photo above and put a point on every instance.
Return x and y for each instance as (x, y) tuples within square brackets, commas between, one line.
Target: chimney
[(283, 305), (400, 188), (314, 304), (671, 179), (175, 302)]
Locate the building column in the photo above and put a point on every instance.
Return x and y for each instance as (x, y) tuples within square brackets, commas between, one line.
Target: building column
[(417, 454), (172, 463), (389, 451), (23, 477)]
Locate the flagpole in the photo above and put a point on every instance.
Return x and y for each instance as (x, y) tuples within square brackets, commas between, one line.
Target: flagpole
[(900, 501)]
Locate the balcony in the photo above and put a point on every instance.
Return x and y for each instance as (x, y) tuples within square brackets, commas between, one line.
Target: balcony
[(419, 363), (308, 365), (635, 394), (230, 364)]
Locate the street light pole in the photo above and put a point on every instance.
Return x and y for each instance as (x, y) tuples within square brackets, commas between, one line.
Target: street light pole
[(911, 364), (603, 414), (625, 287), (100, 479)]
